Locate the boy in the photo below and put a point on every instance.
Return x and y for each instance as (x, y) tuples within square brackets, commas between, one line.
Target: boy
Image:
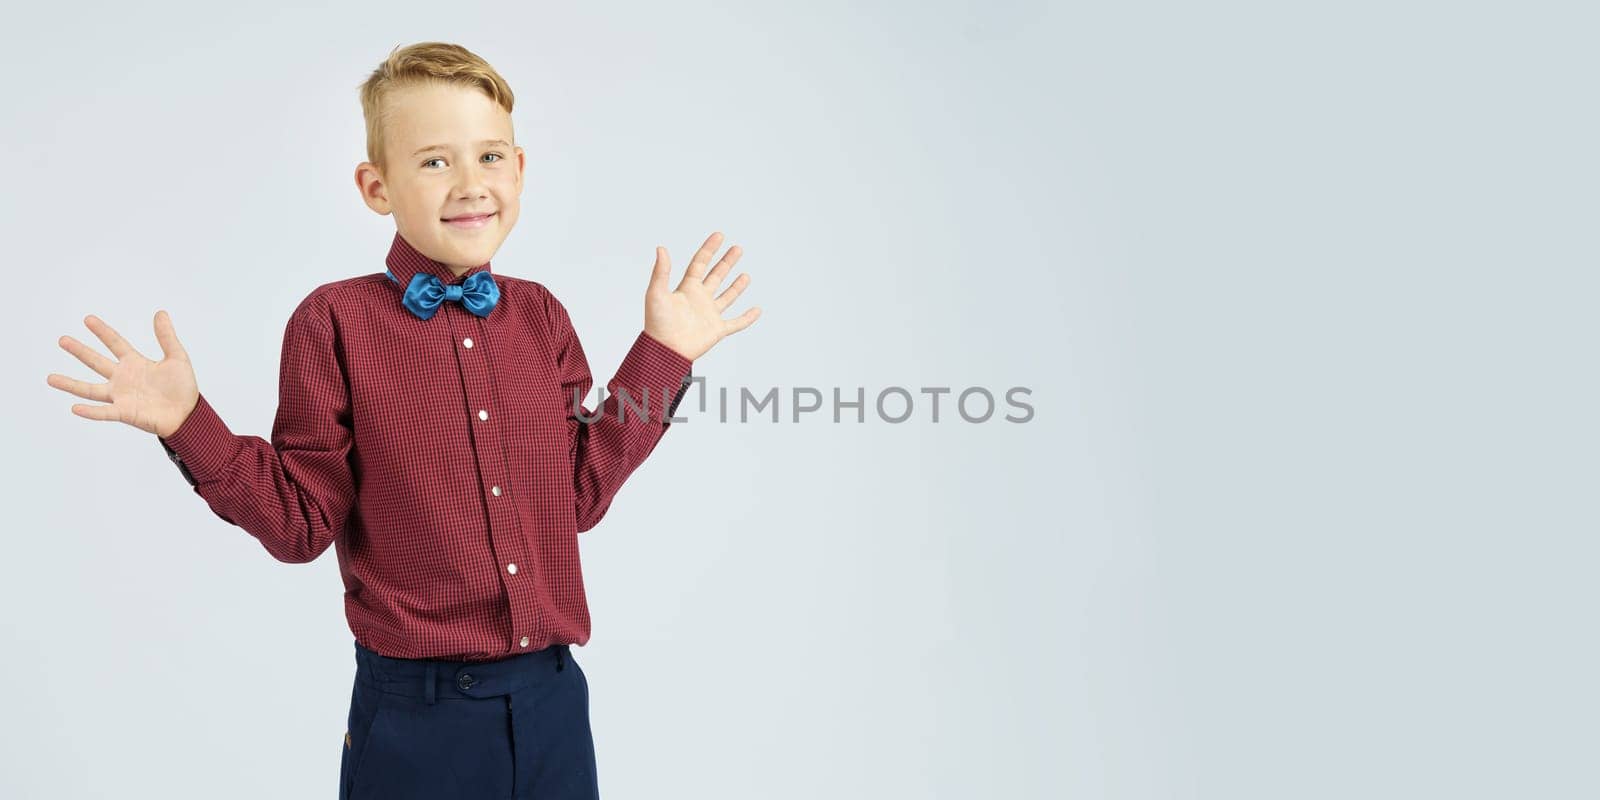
[(430, 428)]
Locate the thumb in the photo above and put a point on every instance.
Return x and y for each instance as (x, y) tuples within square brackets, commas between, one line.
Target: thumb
[(661, 271), (168, 337)]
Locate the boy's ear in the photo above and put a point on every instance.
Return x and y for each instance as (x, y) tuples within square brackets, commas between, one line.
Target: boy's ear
[(369, 180), (522, 163)]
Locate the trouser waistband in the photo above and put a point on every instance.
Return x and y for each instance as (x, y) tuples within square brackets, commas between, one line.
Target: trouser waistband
[(428, 679)]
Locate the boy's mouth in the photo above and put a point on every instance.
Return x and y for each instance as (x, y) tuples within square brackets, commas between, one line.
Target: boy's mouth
[(469, 221)]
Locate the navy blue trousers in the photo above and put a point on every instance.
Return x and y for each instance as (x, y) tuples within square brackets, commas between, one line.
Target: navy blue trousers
[(513, 729)]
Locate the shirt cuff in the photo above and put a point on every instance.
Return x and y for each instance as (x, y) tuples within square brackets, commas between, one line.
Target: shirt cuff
[(203, 443), (651, 370)]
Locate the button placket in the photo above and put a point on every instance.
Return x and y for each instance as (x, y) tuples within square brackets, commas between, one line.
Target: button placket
[(504, 529)]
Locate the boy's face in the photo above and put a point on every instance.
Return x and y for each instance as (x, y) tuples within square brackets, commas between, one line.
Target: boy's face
[(448, 152)]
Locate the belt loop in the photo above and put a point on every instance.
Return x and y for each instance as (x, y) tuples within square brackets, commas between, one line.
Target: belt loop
[(561, 663), (428, 690)]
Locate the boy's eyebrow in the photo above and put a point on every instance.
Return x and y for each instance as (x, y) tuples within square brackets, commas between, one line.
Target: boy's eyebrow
[(484, 143)]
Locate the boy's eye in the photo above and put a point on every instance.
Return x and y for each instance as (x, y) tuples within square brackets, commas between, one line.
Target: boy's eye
[(497, 156)]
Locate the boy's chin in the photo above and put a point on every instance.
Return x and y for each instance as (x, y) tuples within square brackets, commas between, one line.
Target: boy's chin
[(459, 247)]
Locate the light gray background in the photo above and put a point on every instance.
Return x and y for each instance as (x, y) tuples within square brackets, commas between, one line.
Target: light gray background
[(1304, 294)]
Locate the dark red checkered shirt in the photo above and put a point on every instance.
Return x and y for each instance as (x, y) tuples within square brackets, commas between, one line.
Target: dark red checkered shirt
[(446, 460)]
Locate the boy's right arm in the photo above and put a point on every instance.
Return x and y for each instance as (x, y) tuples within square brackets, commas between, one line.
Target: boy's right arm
[(295, 492)]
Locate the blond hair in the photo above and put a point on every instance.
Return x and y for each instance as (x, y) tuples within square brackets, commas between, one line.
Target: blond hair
[(423, 64)]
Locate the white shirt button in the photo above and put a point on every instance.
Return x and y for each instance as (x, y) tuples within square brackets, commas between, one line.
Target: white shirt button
[(511, 568), (482, 414), (467, 343), (496, 490), (524, 641)]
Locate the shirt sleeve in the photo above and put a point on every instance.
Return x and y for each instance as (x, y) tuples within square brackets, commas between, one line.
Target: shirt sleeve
[(638, 406), (293, 493)]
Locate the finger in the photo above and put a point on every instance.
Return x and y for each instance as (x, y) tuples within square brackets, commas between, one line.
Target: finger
[(702, 257), (95, 412), (661, 271), (742, 321), (83, 389), (717, 273), (733, 291), (118, 346), (88, 356), (167, 336)]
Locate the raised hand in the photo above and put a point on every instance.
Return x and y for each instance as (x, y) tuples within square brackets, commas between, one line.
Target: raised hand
[(688, 319), (153, 396)]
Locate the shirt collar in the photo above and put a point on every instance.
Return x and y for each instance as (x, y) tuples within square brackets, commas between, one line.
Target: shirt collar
[(405, 261)]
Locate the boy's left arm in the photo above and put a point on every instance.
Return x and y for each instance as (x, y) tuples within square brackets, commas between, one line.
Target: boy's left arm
[(680, 325), (605, 450)]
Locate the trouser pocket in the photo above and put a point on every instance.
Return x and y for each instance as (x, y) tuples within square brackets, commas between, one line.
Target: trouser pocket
[(365, 705)]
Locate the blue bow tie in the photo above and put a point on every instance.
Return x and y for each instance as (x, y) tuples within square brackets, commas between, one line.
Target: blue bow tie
[(478, 293)]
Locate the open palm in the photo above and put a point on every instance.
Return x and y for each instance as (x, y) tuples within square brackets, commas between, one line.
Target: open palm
[(153, 396), (688, 319)]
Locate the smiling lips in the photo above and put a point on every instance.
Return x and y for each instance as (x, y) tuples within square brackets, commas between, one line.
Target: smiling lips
[(470, 221)]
